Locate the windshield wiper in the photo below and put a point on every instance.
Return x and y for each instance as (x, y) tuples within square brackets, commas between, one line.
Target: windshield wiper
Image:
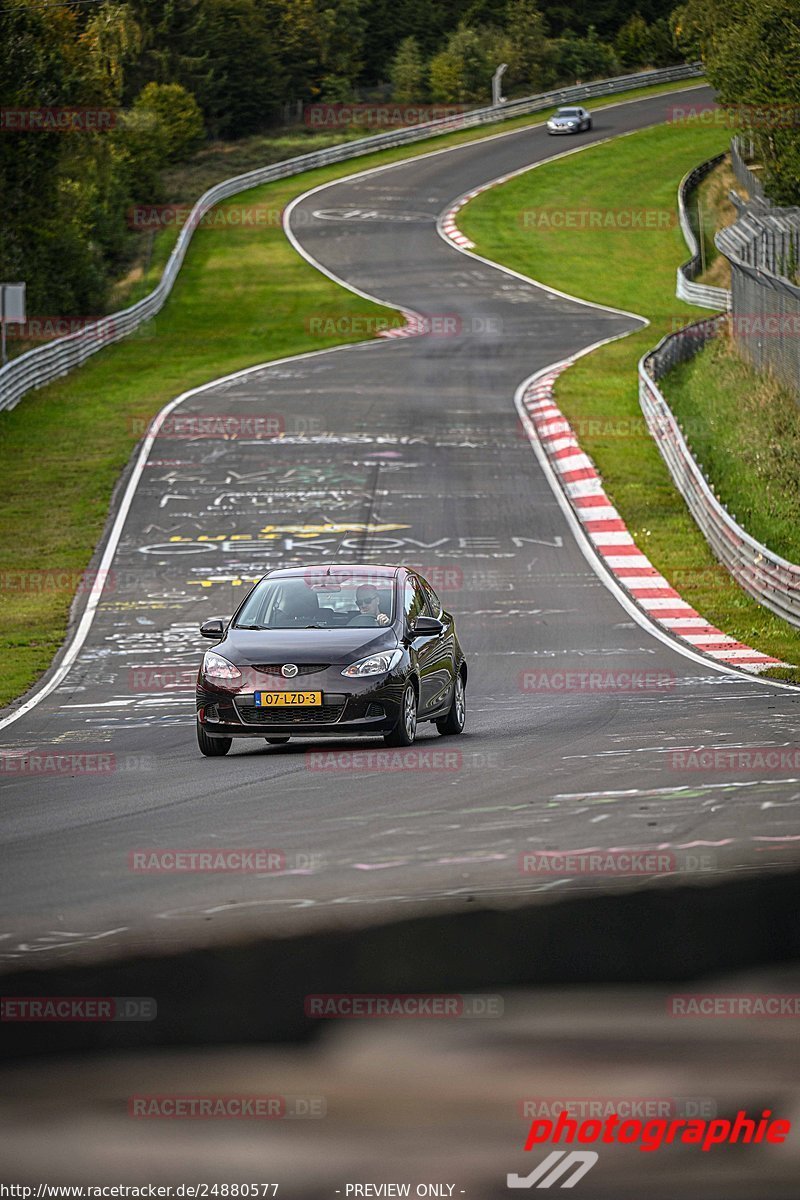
[(316, 626), (251, 626)]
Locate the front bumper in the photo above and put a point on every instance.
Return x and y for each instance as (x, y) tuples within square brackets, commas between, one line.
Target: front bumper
[(369, 712), (563, 128)]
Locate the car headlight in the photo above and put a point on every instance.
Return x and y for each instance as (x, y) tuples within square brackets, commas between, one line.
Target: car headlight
[(218, 670), (376, 664)]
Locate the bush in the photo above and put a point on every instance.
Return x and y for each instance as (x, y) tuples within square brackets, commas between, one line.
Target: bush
[(178, 122)]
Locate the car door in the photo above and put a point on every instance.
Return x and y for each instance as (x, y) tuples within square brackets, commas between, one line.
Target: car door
[(423, 649), (434, 654)]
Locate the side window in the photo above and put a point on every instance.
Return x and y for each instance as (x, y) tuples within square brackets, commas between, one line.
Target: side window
[(413, 600), (433, 600)]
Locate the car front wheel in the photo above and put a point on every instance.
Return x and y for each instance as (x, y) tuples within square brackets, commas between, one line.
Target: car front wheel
[(405, 730), (455, 719), (212, 747)]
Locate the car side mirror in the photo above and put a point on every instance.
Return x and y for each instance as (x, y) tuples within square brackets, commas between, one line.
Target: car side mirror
[(427, 627), (215, 628)]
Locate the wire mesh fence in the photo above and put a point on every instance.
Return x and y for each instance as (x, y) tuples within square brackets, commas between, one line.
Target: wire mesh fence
[(764, 251)]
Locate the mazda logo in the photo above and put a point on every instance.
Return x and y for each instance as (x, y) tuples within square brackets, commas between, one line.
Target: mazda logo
[(288, 670)]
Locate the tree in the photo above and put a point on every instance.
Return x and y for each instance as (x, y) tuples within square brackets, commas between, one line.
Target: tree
[(177, 121), (530, 53), (584, 58), (663, 50), (51, 183), (461, 73), (632, 43), (407, 72), (114, 40), (321, 46), (173, 46), (751, 50), (246, 82)]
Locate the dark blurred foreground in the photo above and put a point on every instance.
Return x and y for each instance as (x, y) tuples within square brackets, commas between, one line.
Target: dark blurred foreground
[(586, 986)]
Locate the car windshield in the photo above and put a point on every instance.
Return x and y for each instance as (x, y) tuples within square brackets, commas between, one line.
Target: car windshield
[(319, 602), (568, 112)]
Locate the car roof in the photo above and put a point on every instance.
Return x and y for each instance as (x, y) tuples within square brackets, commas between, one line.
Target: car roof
[(334, 570)]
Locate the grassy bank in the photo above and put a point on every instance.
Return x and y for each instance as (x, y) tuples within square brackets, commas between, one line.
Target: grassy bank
[(714, 211), (745, 430), (63, 448), (634, 271)]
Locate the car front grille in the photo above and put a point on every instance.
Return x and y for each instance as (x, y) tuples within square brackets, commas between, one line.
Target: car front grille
[(302, 668), (316, 714)]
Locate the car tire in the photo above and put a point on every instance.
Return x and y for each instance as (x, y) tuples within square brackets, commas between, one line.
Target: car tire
[(456, 718), (277, 741), (405, 730), (589, 124), (212, 747)]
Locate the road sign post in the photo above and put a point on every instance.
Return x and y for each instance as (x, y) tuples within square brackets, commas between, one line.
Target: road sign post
[(12, 312)]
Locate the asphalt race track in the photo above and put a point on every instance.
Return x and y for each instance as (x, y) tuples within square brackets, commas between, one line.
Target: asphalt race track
[(409, 450)]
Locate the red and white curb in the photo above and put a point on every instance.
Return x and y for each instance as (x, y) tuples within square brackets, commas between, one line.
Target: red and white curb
[(611, 539), (415, 326), (448, 221)]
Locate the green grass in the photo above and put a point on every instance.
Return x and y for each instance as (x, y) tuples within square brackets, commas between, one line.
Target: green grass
[(714, 211), (62, 449), (633, 271), (745, 430)]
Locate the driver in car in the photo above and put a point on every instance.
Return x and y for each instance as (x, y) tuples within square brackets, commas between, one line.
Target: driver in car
[(368, 602)]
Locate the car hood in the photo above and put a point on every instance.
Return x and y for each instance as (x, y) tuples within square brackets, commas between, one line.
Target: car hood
[(247, 647), (564, 120)]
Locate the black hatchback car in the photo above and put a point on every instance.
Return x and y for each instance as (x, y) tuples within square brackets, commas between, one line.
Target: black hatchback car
[(332, 651)]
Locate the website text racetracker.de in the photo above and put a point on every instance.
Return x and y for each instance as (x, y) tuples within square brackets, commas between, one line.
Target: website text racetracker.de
[(94, 1191), (645, 1108)]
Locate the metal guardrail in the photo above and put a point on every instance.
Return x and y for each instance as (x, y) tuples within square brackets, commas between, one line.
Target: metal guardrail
[(44, 363), (770, 579), (704, 295)]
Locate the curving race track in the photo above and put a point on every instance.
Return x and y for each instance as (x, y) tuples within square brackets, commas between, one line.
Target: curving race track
[(404, 449)]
